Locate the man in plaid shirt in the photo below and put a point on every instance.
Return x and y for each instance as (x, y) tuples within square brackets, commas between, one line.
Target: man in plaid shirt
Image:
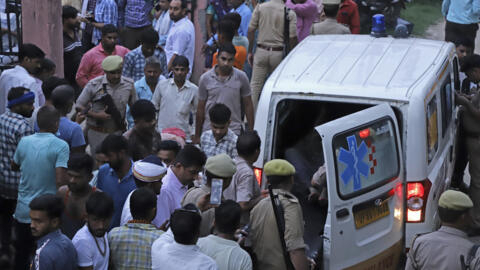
[(13, 126), (131, 244), (219, 139)]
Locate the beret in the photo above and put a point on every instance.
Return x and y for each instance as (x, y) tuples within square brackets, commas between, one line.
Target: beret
[(278, 167), (221, 165), (455, 200), (112, 62)]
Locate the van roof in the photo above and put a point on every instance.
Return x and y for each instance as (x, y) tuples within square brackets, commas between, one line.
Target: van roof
[(359, 65)]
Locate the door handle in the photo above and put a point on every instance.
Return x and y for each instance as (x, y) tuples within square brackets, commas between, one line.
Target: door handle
[(342, 213)]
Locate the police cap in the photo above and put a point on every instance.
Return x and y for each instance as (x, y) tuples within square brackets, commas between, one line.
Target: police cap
[(221, 165), (278, 167), (455, 200), (112, 63)]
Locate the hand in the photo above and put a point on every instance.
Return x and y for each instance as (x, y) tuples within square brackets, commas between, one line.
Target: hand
[(312, 262), (79, 118), (195, 139), (204, 47), (250, 59), (460, 99), (264, 193), (203, 204), (83, 19), (102, 115)]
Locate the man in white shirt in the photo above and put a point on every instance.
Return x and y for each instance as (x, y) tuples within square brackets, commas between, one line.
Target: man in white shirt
[(183, 254), (181, 38), (30, 57), (146, 173), (176, 98), (91, 240), (221, 246), (185, 169)]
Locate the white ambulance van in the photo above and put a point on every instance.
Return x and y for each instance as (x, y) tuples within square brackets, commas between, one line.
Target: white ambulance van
[(380, 114)]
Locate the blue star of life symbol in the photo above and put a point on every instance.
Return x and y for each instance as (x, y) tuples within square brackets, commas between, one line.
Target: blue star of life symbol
[(353, 158)]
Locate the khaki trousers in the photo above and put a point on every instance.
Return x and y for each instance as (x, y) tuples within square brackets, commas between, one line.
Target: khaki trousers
[(264, 62), (473, 146)]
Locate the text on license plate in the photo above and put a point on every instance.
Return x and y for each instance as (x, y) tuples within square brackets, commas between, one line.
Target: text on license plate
[(366, 216)]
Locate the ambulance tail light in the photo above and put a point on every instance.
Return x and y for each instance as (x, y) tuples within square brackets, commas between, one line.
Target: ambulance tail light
[(417, 195), (258, 175)]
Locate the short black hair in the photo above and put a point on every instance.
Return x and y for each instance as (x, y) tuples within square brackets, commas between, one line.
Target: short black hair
[(109, 28), (180, 60), (235, 18), (449, 215), (227, 217), (99, 204), (79, 162), (276, 180), (16, 92), (185, 225), (114, 144), (50, 203), (142, 201), (51, 83), (62, 97), (143, 109), (227, 29), (191, 156), (69, 12), (228, 48), (219, 114), (331, 10), (29, 50), (47, 65), (169, 145), (149, 36), (463, 40), (470, 62), (47, 117), (248, 143)]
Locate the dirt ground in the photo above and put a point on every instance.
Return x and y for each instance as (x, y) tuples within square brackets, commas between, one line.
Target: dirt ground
[(437, 32)]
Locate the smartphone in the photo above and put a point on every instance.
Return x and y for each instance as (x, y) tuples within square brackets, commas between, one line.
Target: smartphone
[(216, 191)]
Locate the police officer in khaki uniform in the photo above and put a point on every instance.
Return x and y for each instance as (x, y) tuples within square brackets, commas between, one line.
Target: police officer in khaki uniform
[(222, 167), (268, 18), (470, 112), (330, 24), (108, 96), (443, 249), (263, 226)]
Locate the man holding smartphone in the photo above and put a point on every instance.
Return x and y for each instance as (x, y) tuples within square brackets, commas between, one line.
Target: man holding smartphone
[(219, 170)]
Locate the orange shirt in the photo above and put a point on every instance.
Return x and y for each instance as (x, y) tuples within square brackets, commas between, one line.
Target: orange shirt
[(240, 57)]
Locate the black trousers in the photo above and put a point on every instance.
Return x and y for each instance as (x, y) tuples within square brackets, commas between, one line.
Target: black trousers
[(7, 208), (453, 30), (24, 245)]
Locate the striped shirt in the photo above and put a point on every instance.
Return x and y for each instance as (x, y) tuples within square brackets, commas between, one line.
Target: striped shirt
[(105, 12), (134, 13)]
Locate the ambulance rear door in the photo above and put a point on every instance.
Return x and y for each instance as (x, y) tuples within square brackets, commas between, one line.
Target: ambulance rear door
[(364, 168)]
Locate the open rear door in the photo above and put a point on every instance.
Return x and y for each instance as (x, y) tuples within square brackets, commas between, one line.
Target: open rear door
[(364, 167)]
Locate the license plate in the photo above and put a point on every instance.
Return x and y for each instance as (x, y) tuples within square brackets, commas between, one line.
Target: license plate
[(366, 216)]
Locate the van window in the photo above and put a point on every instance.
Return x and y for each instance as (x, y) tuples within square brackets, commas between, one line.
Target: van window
[(365, 158), (447, 104), (432, 129)]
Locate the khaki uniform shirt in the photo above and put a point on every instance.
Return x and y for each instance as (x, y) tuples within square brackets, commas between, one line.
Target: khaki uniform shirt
[(264, 231), (470, 123), (439, 250), (193, 195), (329, 26), (123, 94), (269, 19)]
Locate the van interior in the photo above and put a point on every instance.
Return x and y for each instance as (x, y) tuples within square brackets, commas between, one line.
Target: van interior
[(296, 140)]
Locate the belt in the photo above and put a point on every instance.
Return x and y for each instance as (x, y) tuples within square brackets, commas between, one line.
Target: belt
[(268, 48), (102, 129)]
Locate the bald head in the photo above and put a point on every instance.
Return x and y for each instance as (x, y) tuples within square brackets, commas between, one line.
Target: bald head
[(62, 98)]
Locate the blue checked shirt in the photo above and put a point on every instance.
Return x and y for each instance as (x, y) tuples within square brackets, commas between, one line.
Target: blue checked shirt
[(12, 128), (105, 12), (227, 144), (134, 62), (131, 245), (134, 13)]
